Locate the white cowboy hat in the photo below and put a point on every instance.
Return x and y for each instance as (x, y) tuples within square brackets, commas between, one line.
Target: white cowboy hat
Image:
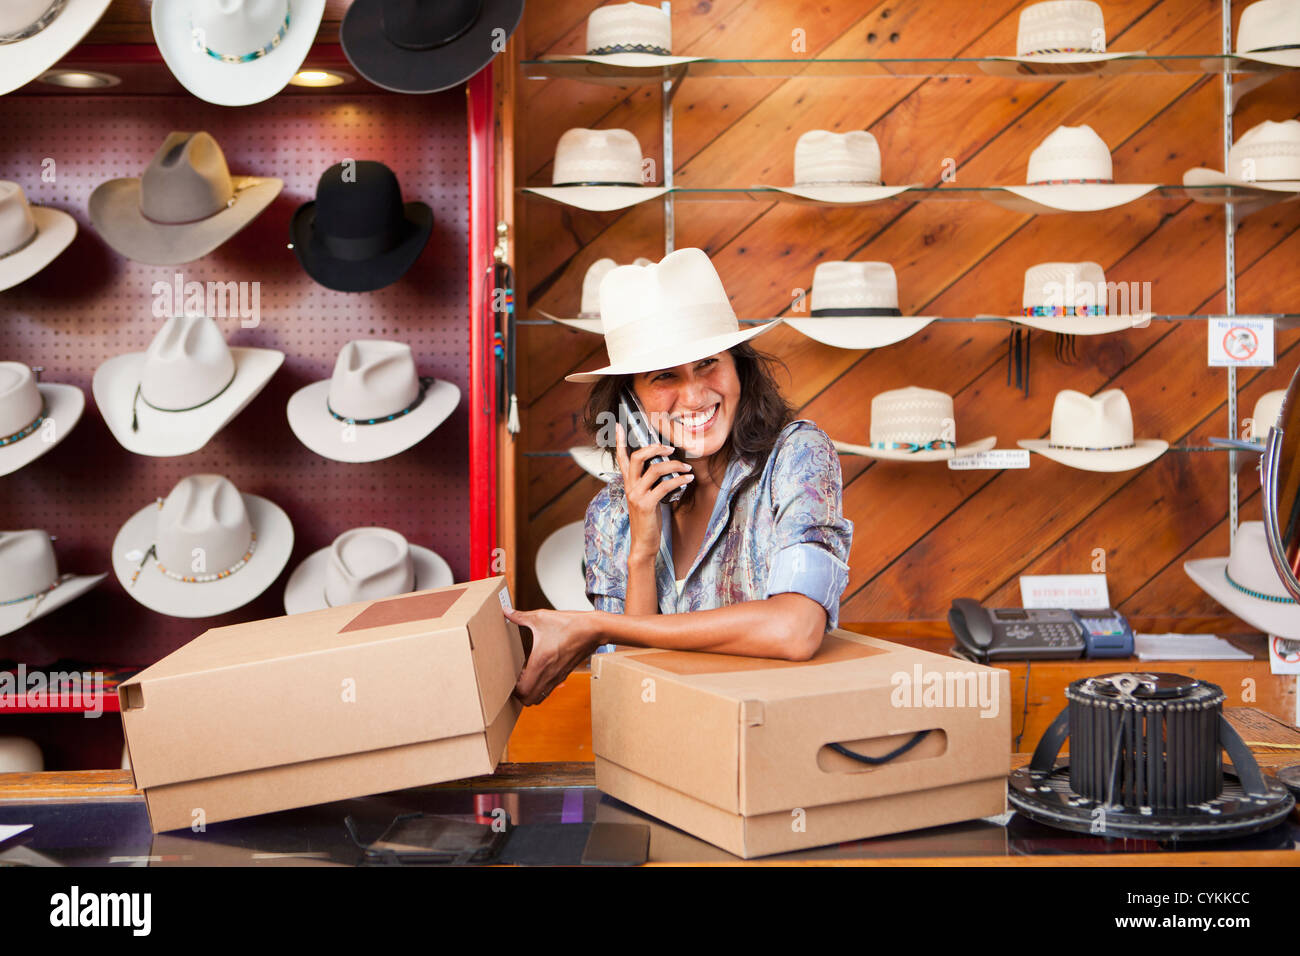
[(34, 416), (1268, 409), (374, 406), (1269, 32), (597, 462), (838, 168), (1266, 157), (560, 568), (1247, 584), (184, 206), (363, 564), (598, 169), (171, 399), (1059, 33), (235, 52), (204, 550), (914, 424), (1095, 433), (667, 314), (588, 319), (30, 583), (632, 36), (30, 236), (20, 755), (1071, 171), (854, 305), (36, 34), (1072, 298)]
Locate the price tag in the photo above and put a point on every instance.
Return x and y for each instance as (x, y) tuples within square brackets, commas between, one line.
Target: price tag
[(504, 597), (1240, 341), (1064, 590), (994, 459)]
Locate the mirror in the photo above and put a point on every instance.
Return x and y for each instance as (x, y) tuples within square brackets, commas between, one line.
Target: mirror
[(1281, 489)]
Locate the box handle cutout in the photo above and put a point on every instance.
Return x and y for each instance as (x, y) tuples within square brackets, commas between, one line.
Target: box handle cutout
[(871, 753), (132, 697)]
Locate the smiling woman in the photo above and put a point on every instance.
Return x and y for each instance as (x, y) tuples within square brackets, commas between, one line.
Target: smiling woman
[(752, 558)]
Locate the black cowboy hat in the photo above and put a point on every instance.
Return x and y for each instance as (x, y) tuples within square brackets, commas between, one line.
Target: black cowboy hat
[(422, 46)]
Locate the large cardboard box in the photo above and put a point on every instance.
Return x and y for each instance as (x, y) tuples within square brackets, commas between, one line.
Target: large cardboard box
[(326, 705), (737, 750)]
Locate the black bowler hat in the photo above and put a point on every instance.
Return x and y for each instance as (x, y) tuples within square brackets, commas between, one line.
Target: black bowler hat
[(422, 46), (358, 235)]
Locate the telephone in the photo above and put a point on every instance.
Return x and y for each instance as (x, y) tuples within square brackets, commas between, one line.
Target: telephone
[(1013, 633), (640, 433)]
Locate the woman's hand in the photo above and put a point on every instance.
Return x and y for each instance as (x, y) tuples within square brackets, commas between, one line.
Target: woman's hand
[(561, 641), (643, 495)]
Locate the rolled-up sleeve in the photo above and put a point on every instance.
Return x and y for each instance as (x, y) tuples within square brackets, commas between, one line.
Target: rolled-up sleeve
[(811, 536), (604, 532)]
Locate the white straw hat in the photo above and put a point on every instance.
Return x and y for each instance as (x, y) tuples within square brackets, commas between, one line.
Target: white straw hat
[(1073, 298), (1071, 171), (588, 319), (20, 755), (914, 424), (363, 564), (36, 34), (1266, 157), (560, 567), (174, 397), (1062, 32), (595, 461), (374, 406), (598, 169), (664, 315), (1095, 433), (1247, 583), (854, 305), (34, 416), (30, 236), (30, 583), (1268, 409), (838, 168), (632, 36), (1269, 32), (204, 550)]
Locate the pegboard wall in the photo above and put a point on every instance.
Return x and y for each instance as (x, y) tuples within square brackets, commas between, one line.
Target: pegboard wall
[(91, 303)]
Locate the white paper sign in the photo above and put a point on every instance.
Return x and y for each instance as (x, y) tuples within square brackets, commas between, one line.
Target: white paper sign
[(1240, 341), (1064, 590), (994, 459), (504, 597)]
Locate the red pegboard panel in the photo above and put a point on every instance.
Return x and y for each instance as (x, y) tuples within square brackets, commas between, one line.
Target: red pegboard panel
[(90, 304)]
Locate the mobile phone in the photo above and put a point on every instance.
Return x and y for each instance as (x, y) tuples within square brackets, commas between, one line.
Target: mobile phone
[(639, 433)]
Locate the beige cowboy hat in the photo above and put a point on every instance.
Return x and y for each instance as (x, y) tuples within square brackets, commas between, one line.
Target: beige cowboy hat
[(560, 567), (34, 416), (595, 461), (184, 206), (30, 583), (1071, 171), (1265, 157), (30, 236), (664, 315), (599, 170), (363, 564), (1269, 32), (36, 34), (914, 424), (1095, 433), (588, 318), (630, 36), (1055, 35), (1072, 298), (1247, 583), (174, 397), (854, 305), (20, 755), (840, 168)]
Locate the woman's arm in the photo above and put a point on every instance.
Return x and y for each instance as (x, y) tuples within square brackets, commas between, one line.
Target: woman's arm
[(642, 591)]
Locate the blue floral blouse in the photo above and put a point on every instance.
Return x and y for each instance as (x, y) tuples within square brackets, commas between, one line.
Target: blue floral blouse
[(785, 532)]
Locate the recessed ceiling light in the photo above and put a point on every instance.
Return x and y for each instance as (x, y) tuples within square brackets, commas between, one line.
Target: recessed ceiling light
[(79, 79), (321, 78)]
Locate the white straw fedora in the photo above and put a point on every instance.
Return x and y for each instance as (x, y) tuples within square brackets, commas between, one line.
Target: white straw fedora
[(374, 406), (598, 169), (914, 424), (189, 384), (363, 564), (1266, 156), (36, 34), (1269, 32), (854, 305), (1268, 409), (1062, 32), (664, 315), (30, 583), (1247, 584), (235, 52), (1071, 171), (34, 416), (588, 319), (1073, 298), (204, 550), (838, 168), (561, 571), (20, 755), (595, 461), (630, 35), (184, 206), (1095, 433), (30, 236)]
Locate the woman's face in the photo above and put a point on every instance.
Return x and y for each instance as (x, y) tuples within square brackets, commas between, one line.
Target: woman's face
[(692, 406)]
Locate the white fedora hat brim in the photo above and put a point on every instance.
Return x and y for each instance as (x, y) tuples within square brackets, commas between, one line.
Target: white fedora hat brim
[(1077, 324), (1200, 176), (859, 332), (1071, 197), (115, 213), (599, 198), (583, 325), (1273, 57), (306, 588), (597, 462), (674, 355), (897, 454), (324, 434), (14, 616), (166, 595), (845, 195), (1280, 620), (234, 84), (1145, 451), (559, 568), (55, 230), (628, 61), (167, 434), (27, 59), (63, 406)]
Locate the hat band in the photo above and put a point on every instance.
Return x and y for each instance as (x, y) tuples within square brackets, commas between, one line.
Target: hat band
[(937, 444), (1059, 310), (1258, 595), (443, 41), (34, 594), (1071, 182), (230, 203), (23, 245), (686, 324), (595, 183), (41, 22), (839, 182), (197, 578), (873, 310), (1061, 49), (363, 247), (139, 397), (198, 34), (424, 386), (26, 429), (629, 48), (1272, 49), (1055, 447)]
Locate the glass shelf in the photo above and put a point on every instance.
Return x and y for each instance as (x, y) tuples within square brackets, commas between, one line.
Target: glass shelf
[(1172, 448), (1283, 320)]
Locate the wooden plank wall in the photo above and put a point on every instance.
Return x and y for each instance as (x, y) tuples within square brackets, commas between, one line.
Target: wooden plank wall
[(924, 534)]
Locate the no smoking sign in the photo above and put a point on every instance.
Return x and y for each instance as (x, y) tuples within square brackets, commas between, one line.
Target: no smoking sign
[(1241, 341)]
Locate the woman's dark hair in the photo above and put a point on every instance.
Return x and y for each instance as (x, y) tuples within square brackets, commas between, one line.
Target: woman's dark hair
[(760, 415)]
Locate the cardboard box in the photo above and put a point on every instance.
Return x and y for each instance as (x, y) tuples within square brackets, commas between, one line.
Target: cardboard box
[(736, 750), (326, 705)]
